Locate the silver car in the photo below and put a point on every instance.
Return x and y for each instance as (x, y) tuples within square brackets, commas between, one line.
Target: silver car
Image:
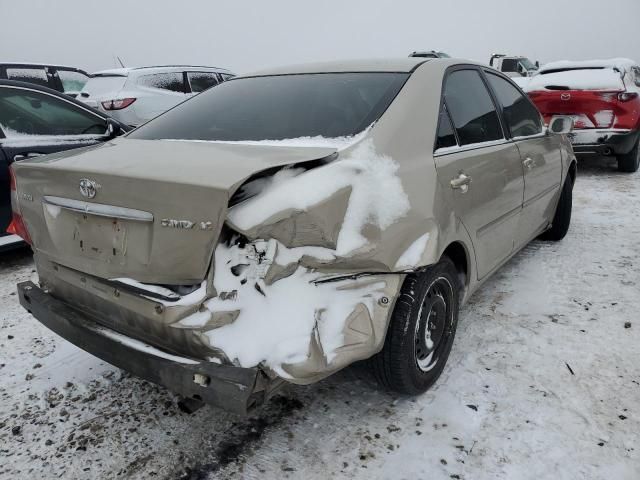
[(283, 225)]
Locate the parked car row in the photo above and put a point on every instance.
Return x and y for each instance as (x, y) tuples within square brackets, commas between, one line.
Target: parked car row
[(283, 225), (35, 121)]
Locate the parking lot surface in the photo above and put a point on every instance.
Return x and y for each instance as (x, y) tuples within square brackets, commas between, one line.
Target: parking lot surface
[(543, 382)]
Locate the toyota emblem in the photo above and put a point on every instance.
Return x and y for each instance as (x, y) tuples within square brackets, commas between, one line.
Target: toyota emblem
[(88, 188), (565, 96)]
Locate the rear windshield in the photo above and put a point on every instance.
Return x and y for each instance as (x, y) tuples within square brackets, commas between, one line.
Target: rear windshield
[(104, 84), (280, 107)]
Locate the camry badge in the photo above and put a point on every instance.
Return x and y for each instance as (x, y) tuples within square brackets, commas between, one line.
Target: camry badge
[(88, 188), (565, 96)]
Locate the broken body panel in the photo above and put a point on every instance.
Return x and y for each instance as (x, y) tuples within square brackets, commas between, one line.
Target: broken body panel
[(194, 270)]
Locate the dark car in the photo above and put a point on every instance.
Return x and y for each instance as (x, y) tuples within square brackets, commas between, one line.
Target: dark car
[(429, 54), (36, 121), (68, 80)]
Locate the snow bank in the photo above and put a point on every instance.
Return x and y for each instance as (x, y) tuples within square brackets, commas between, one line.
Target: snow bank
[(604, 79), (275, 326), (377, 196)]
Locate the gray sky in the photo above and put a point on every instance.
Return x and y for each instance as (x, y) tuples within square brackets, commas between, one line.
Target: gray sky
[(244, 35)]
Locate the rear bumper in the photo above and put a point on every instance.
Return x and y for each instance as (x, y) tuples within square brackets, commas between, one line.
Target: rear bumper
[(9, 242), (232, 388), (603, 142)]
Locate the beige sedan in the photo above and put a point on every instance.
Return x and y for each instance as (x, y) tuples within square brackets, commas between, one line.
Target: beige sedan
[(286, 224)]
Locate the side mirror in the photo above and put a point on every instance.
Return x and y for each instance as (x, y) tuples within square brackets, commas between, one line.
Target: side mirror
[(113, 128), (537, 65), (561, 125)]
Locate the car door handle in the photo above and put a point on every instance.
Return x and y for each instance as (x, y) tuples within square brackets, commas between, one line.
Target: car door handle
[(461, 182), (529, 163), (24, 156)]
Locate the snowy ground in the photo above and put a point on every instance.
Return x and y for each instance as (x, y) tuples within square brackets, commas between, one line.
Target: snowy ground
[(543, 382)]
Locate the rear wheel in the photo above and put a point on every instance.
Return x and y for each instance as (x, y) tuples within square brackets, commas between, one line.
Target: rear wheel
[(421, 330), (562, 217), (630, 162)]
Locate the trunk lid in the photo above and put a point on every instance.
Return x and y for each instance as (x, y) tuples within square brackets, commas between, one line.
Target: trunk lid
[(589, 95), (589, 109), (152, 210)]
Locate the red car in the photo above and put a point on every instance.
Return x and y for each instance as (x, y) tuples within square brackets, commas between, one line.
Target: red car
[(603, 98)]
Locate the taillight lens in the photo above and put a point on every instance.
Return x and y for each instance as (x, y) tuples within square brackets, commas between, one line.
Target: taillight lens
[(117, 104), (627, 96), (17, 226)]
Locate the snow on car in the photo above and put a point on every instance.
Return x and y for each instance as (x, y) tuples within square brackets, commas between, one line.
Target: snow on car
[(136, 95), (603, 98), (286, 224)]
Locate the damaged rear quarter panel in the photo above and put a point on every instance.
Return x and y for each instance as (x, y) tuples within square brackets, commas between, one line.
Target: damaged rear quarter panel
[(363, 215)]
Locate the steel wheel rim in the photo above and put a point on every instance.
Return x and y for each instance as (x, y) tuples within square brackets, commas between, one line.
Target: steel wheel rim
[(433, 326)]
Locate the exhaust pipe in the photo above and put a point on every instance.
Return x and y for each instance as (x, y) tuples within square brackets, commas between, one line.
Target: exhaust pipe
[(607, 152)]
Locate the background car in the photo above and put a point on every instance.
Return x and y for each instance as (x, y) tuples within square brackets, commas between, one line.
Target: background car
[(136, 95), (35, 121), (68, 80), (319, 215), (513, 66), (603, 98), (429, 54)]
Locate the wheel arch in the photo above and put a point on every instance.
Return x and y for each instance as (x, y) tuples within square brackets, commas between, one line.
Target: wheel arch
[(457, 252)]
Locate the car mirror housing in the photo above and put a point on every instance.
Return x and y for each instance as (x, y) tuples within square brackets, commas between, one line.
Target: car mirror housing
[(113, 128), (561, 125)]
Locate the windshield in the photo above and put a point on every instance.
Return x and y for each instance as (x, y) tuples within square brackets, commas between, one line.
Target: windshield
[(528, 64), (279, 107)]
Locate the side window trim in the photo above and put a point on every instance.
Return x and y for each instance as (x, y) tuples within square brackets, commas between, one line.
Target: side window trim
[(186, 84), (474, 146), (505, 125), (443, 106), (506, 131)]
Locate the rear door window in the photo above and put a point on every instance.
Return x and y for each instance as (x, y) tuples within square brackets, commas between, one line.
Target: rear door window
[(521, 116), (471, 108), (171, 81), (201, 81), (30, 75), (24, 113)]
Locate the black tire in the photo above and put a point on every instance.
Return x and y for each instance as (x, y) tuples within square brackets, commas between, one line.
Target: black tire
[(562, 217), (630, 162), (431, 296)]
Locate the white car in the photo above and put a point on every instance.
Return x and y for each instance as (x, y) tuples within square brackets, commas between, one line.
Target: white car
[(135, 95)]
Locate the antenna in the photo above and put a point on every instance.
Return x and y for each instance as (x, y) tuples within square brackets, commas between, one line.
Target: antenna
[(121, 62)]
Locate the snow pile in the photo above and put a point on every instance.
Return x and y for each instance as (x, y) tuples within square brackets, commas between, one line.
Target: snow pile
[(275, 325), (17, 139), (621, 64), (377, 196), (601, 79), (411, 257), (339, 143)]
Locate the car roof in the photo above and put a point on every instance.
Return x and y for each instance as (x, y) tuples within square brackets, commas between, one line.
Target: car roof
[(124, 72), (621, 64), (32, 64), (400, 64)]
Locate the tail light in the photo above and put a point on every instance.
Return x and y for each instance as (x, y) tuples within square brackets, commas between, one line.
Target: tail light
[(17, 226), (627, 96), (117, 104)]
